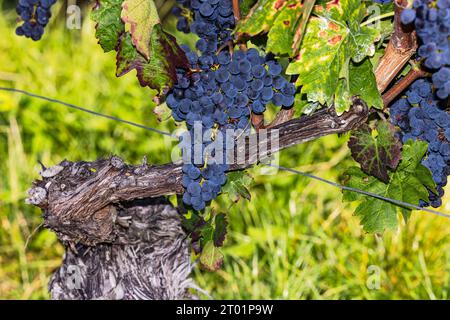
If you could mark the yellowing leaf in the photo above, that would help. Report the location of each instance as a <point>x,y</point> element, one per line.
<point>281,34</point>
<point>334,53</point>
<point>140,16</point>
<point>211,258</point>
<point>159,71</point>
<point>261,17</point>
<point>159,55</point>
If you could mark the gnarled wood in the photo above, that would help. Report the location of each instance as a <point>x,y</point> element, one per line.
<point>79,198</point>
<point>145,257</point>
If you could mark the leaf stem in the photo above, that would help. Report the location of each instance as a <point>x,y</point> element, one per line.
<point>380,17</point>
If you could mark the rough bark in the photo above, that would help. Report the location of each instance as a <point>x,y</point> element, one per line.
<point>146,257</point>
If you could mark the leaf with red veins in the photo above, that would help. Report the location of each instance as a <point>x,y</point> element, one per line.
<point>376,150</point>
<point>220,230</point>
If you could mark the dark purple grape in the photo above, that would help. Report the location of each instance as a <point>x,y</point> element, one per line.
<point>421,115</point>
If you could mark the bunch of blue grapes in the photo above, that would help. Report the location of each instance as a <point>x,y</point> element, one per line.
<point>220,92</point>
<point>422,116</point>
<point>431,19</point>
<point>212,20</point>
<point>35,15</point>
<point>203,177</point>
<point>227,88</point>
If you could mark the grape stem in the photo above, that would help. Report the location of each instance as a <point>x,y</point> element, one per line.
<point>401,47</point>
<point>377,18</point>
<point>236,11</point>
<point>404,83</point>
<point>229,44</point>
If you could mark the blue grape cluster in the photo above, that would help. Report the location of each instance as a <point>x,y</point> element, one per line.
<point>219,92</point>
<point>227,88</point>
<point>221,95</point>
<point>213,21</point>
<point>422,116</point>
<point>202,184</point>
<point>431,19</point>
<point>35,15</point>
<point>181,12</point>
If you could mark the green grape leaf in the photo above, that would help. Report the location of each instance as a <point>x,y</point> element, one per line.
<point>194,223</point>
<point>376,150</point>
<point>408,183</point>
<point>261,17</point>
<point>220,230</point>
<point>211,257</point>
<point>362,83</point>
<point>282,32</point>
<point>237,186</point>
<point>140,16</point>
<point>343,97</point>
<point>334,47</point>
<point>109,26</point>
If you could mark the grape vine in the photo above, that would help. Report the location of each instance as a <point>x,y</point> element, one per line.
<point>321,59</point>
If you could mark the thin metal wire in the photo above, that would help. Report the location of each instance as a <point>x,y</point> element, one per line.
<point>88,111</point>
<point>370,194</point>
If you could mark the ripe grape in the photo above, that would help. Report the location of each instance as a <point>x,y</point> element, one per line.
<point>35,15</point>
<point>431,19</point>
<point>421,115</point>
<point>382,1</point>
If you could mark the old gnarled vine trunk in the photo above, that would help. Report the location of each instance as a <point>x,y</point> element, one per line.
<point>123,238</point>
<point>146,256</point>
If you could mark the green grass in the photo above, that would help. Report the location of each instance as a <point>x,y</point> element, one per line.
<point>294,240</point>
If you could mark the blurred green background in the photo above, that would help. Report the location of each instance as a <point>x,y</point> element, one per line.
<point>294,240</point>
